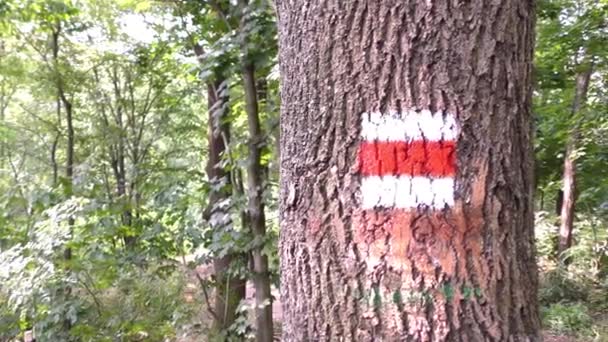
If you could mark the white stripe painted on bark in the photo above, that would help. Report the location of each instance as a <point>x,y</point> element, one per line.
<point>406,192</point>
<point>408,126</point>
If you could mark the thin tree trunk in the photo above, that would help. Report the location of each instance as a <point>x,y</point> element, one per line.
<point>256,176</point>
<point>62,100</point>
<point>3,141</point>
<point>257,218</point>
<point>559,202</point>
<point>569,176</point>
<point>69,166</point>
<point>55,145</point>
<point>119,162</point>
<point>229,290</point>
<point>121,182</point>
<point>5,98</point>
<point>407,171</point>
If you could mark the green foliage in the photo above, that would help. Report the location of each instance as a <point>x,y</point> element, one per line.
<point>586,261</point>
<point>142,305</point>
<point>9,321</point>
<point>116,297</point>
<point>557,286</point>
<point>571,36</point>
<point>571,318</point>
<point>139,118</point>
<point>573,286</point>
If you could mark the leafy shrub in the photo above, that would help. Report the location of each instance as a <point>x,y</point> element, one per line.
<point>556,286</point>
<point>568,318</point>
<point>546,232</point>
<point>141,306</point>
<point>582,269</point>
<point>9,322</point>
<point>587,259</point>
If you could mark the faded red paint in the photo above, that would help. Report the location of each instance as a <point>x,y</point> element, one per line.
<point>400,234</point>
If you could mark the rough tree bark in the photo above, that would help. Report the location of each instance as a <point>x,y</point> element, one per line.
<point>351,271</point>
<point>568,198</point>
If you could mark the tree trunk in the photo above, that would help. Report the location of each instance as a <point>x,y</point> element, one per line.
<point>559,202</point>
<point>255,209</point>
<point>569,176</point>
<point>407,171</point>
<point>256,179</point>
<point>5,97</point>
<point>63,101</point>
<point>118,161</point>
<point>229,290</point>
<point>3,140</point>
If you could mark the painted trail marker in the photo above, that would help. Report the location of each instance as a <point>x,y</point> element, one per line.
<point>407,160</point>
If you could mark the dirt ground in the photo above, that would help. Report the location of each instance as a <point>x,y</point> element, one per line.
<point>549,337</point>
<point>205,271</point>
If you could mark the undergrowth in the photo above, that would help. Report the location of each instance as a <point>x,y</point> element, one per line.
<point>574,285</point>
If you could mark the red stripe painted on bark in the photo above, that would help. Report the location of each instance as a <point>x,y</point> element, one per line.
<point>416,158</point>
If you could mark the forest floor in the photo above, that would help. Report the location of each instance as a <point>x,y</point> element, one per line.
<point>205,271</point>
<point>550,337</point>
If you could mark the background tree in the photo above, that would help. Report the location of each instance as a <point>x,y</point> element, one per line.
<point>570,50</point>
<point>226,184</point>
<point>241,30</point>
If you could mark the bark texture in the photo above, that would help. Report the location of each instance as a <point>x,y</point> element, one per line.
<point>256,180</point>
<point>463,273</point>
<point>255,209</point>
<point>569,176</point>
